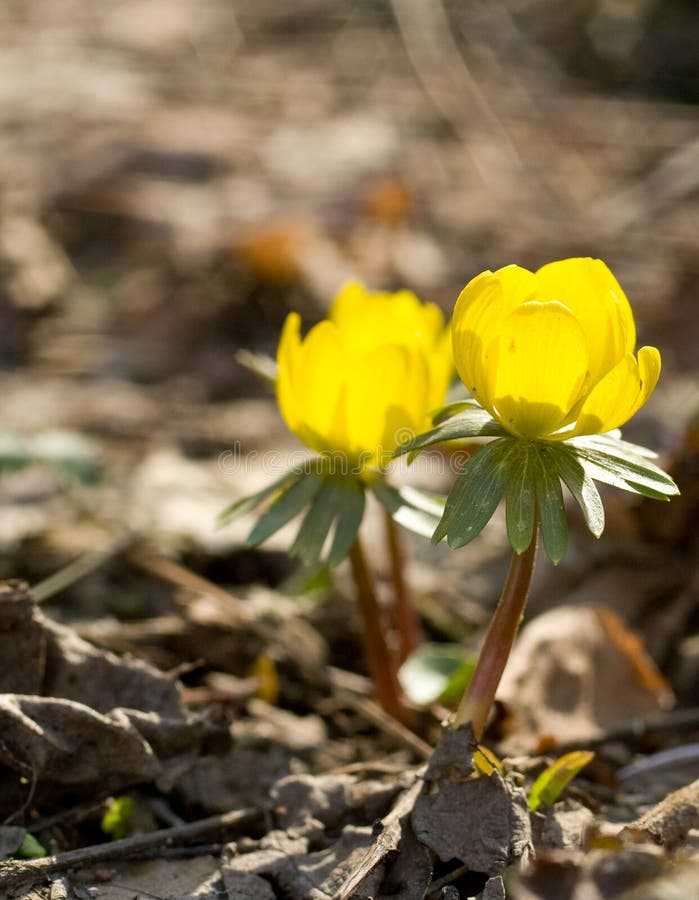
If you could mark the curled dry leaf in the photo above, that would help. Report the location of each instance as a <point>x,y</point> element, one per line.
<point>85,721</point>
<point>557,679</point>
<point>481,820</point>
<point>301,800</point>
<point>46,659</point>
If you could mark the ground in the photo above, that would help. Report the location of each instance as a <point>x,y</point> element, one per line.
<point>176,177</point>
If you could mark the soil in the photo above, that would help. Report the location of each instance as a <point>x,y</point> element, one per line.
<point>177,175</point>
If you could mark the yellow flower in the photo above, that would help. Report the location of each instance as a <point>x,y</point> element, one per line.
<point>366,375</point>
<point>550,353</point>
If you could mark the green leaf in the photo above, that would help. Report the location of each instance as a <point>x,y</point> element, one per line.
<point>14,454</point>
<point>475,495</point>
<point>412,509</point>
<point>315,580</point>
<point>437,672</point>
<point>520,495</point>
<point>549,786</point>
<point>611,441</point>
<point>549,501</point>
<point>260,364</point>
<point>645,491</point>
<point>118,816</point>
<point>348,522</point>
<point>30,848</point>
<point>327,505</point>
<point>67,453</point>
<point>580,485</point>
<point>288,505</point>
<point>245,504</point>
<point>418,499</point>
<point>473,422</point>
<point>453,409</point>
<point>623,469</point>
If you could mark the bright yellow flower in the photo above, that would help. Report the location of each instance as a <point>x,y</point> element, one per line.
<point>363,377</point>
<point>550,353</point>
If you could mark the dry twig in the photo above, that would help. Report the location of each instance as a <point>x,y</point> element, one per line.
<point>671,820</point>
<point>18,875</point>
<point>387,839</point>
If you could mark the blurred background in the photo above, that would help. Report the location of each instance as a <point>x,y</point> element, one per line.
<point>178,174</point>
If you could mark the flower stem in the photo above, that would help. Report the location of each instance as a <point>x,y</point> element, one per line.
<point>379,658</point>
<point>480,694</point>
<point>404,613</point>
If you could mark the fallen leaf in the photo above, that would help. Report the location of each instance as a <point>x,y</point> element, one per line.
<point>94,723</point>
<point>480,820</point>
<point>11,838</point>
<point>671,820</point>
<point>557,680</point>
<point>191,879</point>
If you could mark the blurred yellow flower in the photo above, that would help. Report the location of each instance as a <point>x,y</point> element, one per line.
<point>550,353</point>
<point>365,377</point>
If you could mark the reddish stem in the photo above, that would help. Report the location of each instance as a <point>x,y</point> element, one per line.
<point>480,694</point>
<point>405,615</point>
<point>379,659</point>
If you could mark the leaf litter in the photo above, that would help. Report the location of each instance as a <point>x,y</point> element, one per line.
<point>87,723</point>
<point>318,796</point>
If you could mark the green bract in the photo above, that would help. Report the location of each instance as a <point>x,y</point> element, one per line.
<point>333,503</point>
<point>359,380</point>
<point>529,475</point>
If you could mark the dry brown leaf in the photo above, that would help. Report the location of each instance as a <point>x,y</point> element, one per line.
<point>188,879</point>
<point>11,837</point>
<point>480,820</point>
<point>302,875</point>
<point>557,681</point>
<point>93,723</point>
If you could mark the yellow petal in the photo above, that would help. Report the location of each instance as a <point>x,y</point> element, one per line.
<point>375,368</point>
<point>537,363</point>
<point>386,400</point>
<point>620,394</point>
<point>440,362</point>
<point>409,322</point>
<point>588,288</point>
<point>481,306</point>
<point>319,388</point>
<point>288,358</point>
<point>432,325</point>
<point>649,366</point>
<point>367,320</point>
<point>350,302</point>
